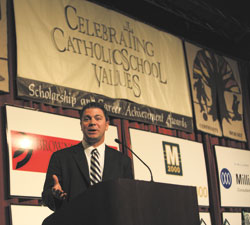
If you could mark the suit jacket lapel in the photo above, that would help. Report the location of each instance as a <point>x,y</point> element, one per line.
<point>107,170</point>
<point>81,161</point>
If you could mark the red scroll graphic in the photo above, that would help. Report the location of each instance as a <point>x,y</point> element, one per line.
<point>32,152</point>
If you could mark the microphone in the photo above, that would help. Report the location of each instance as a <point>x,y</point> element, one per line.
<point>119,142</point>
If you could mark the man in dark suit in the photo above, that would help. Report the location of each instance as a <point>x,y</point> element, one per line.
<point>68,173</point>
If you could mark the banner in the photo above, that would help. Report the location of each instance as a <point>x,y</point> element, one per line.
<point>215,82</point>
<point>28,215</point>
<point>32,138</point>
<point>84,48</point>
<point>234,176</point>
<point>172,160</point>
<point>205,218</point>
<point>4,73</point>
<point>231,218</point>
<point>245,218</point>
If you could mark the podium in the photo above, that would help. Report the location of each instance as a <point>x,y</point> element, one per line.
<point>131,202</point>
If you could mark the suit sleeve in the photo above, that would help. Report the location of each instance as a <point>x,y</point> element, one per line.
<point>47,196</point>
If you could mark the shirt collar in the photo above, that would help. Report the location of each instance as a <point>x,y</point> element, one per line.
<point>88,148</point>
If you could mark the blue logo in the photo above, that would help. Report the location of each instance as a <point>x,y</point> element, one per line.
<point>225,178</point>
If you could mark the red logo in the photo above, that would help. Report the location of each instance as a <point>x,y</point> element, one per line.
<point>32,152</point>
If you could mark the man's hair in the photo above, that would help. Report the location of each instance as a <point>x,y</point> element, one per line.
<point>94,105</point>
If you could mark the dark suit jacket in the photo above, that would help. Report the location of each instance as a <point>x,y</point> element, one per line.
<point>71,167</point>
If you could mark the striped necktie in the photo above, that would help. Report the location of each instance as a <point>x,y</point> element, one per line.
<point>95,171</point>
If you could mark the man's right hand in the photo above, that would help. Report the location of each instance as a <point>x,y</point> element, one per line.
<point>57,189</point>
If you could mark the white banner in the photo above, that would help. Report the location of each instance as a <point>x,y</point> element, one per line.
<point>205,218</point>
<point>3,28</point>
<point>32,138</point>
<point>234,176</point>
<point>28,215</point>
<point>80,45</point>
<point>230,218</point>
<point>4,73</point>
<point>172,160</point>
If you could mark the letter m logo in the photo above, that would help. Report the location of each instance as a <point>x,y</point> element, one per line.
<point>172,158</point>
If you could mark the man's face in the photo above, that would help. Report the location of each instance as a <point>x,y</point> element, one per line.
<point>94,125</point>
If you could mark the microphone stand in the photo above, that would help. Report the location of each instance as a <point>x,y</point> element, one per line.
<point>119,142</point>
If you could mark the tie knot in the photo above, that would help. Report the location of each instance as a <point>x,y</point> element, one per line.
<point>95,152</point>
